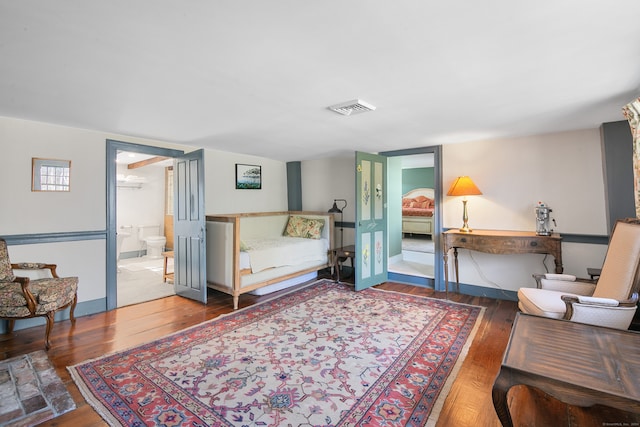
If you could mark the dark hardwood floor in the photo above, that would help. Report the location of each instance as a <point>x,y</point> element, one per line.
<point>468,403</point>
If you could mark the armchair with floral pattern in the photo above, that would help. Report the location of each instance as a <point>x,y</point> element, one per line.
<point>22,298</point>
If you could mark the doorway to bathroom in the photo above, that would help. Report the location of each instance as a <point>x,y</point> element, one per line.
<point>139,189</point>
<point>144,219</point>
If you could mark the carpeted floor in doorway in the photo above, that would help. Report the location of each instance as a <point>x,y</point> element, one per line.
<point>417,243</point>
<point>30,391</point>
<point>321,355</point>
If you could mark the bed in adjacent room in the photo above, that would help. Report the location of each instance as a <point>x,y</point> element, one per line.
<point>417,211</point>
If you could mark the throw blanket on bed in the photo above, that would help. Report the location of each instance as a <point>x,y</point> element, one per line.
<point>278,251</point>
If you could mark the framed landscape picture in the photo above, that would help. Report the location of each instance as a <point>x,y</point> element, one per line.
<point>248,177</point>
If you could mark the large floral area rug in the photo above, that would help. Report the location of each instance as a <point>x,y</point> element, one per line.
<point>324,355</point>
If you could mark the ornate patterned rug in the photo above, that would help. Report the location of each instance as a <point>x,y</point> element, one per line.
<point>323,355</point>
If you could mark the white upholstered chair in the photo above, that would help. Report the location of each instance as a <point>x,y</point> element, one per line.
<point>610,301</point>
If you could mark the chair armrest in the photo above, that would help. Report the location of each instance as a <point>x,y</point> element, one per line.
<point>550,276</point>
<point>555,276</point>
<point>36,266</point>
<point>31,300</point>
<point>605,302</point>
<point>606,312</point>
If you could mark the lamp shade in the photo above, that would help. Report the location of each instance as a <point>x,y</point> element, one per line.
<point>334,208</point>
<point>463,186</point>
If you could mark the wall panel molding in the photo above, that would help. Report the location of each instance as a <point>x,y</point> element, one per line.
<point>65,236</point>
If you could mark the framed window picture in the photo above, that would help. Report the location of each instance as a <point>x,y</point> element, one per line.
<point>248,177</point>
<point>50,174</point>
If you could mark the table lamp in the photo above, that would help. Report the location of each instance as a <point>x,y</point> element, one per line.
<point>464,186</point>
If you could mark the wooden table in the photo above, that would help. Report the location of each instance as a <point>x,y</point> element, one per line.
<point>578,364</point>
<point>340,255</point>
<point>499,242</point>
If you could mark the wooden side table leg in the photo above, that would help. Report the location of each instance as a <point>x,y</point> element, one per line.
<point>499,392</point>
<point>455,265</point>
<point>164,271</point>
<point>557,257</point>
<point>445,257</point>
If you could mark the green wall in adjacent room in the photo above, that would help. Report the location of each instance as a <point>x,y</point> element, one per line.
<point>417,178</point>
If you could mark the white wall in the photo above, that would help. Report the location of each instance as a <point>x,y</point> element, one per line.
<point>324,180</point>
<point>221,196</point>
<point>81,209</point>
<point>563,170</point>
<point>84,207</point>
<point>24,211</point>
<point>85,259</point>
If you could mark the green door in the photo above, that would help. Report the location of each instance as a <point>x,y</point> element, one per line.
<point>371,220</point>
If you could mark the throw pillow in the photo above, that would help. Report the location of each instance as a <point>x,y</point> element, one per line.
<point>307,228</point>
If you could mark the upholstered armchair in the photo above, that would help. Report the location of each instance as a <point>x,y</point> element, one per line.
<point>610,301</point>
<point>22,298</point>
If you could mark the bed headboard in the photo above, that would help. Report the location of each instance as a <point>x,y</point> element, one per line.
<point>427,192</point>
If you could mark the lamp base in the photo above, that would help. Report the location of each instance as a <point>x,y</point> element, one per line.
<point>465,218</point>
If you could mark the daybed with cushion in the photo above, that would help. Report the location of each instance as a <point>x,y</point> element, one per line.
<point>266,251</point>
<point>417,211</point>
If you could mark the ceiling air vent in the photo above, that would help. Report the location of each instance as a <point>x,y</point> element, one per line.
<point>352,107</point>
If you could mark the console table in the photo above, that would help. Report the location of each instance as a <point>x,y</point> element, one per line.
<point>499,242</point>
<point>579,364</point>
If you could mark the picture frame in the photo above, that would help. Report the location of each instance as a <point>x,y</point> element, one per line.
<point>50,175</point>
<point>248,177</point>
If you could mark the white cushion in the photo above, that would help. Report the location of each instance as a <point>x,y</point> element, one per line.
<point>542,302</point>
<point>555,276</point>
<point>598,301</point>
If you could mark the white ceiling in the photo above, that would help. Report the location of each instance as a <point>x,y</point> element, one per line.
<point>256,77</point>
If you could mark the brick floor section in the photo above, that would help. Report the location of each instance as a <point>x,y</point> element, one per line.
<point>30,391</point>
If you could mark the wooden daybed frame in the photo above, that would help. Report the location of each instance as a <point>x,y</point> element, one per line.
<point>291,272</point>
